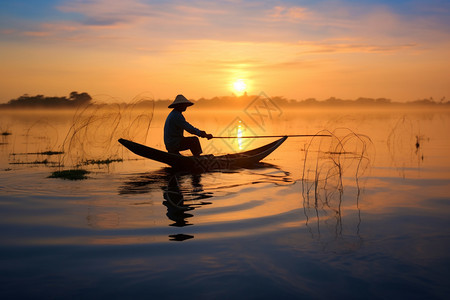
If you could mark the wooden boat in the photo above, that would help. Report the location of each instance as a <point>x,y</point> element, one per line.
<point>204,162</point>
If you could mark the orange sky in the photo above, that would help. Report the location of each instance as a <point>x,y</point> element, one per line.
<point>345,49</point>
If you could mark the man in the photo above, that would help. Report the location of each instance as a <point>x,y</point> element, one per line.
<point>175,126</point>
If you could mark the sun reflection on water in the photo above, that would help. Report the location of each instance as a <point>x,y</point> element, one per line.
<point>240,130</point>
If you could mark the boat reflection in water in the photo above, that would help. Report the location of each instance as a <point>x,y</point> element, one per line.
<point>182,192</point>
<point>178,197</point>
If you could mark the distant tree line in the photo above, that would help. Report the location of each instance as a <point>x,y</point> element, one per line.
<point>239,102</point>
<point>75,99</point>
<point>235,102</point>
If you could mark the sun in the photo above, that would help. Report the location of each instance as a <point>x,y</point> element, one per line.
<point>239,86</point>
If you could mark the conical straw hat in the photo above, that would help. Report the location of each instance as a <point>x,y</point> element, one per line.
<point>180,99</point>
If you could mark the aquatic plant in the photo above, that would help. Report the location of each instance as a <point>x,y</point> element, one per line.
<point>35,162</point>
<point>345,149</point>
<point>74,174</point>
<point>101,161</point>
<point>96,128</point>
<point>91,138</point>
<point>4,132</point>
<point>48,153</point>
<point>405,143</point>
<point>345,155</point>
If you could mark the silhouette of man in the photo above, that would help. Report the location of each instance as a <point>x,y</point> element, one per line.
<point>175,126</point>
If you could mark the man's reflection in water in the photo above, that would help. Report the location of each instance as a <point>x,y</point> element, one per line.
<point>182,192</point>
<point>179,200</point>
<point>174,201</point>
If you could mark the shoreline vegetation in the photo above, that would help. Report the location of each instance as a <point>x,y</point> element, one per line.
<point>76,100</point>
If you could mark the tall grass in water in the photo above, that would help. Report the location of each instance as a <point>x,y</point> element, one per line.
<point>329,163</point>
<point>92,138</point>
<point>406,144</point>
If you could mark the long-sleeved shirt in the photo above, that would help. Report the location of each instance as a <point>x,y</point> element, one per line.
<point>174,128</point>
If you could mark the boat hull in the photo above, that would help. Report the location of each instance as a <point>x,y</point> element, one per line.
<point>204,162</point>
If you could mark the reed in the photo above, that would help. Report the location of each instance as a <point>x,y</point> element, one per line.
<point>101,161</point>
<point>92,137</point>
<point>325,166</point>
<point>406,144</point>
<point>47,153</point>
<point>35,162</point>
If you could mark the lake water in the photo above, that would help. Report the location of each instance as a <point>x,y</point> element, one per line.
<point>362,214</point>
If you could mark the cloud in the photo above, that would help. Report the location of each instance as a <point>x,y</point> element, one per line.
<point>143,23</point>
<point>289,14</point>
<point>339,46</point>
<point>37,33</point>
<point>222,57</point>
<point>235,33</point>
<point>106,8</point>
<point>137,13</point>
<point>202,11</point>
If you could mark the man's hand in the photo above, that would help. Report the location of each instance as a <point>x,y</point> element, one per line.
<point>203,134</point>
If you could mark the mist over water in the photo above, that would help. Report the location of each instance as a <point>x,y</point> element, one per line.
<point>364,213</point>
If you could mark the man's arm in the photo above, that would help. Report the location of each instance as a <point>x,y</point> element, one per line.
<point>191,129</point>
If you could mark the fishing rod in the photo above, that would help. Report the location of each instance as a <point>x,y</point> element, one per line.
<point>269,136</point>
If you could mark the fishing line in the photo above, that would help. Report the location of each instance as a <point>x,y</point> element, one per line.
<point>270,136</point>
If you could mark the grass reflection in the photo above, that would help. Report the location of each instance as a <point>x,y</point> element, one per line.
<point>326,164</point>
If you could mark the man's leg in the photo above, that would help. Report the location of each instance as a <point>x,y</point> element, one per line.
<point>174,152</point>
<point>192,143</point>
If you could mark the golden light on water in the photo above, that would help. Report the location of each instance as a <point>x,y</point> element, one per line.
<point>239,135</point>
